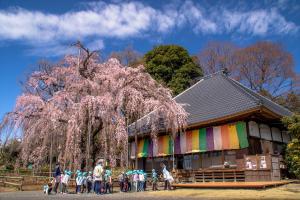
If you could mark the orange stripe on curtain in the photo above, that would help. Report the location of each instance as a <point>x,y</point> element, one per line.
<point>160,144</point>
<point>189,142</point>
<point>225,137</point>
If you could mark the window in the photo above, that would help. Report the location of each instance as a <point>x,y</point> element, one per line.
<point>206,160</point>
<point>216,158</point>
<point>277,148</point>
<point>187,162</point>
<point>254,146</point>
<point>230,156</point>
<point>241,152</point>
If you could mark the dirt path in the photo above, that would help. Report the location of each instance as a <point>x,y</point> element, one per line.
<point>290,191</point>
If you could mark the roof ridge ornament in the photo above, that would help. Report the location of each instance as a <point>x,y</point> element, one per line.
<point>225,71</point>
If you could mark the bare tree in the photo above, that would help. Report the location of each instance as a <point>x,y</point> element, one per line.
<point>266,67</point>
<point>128,57</point>
<point>216,56</point>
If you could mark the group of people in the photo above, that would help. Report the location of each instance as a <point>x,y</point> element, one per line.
<point>135,180</point>
<point>100,180</point>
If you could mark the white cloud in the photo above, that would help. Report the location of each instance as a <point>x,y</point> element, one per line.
<point>51,50</point>
<point>195,16</point>
<point>258,22</point>
<point>97,44</point>
<point>134,19</point>
<point>109,20</point>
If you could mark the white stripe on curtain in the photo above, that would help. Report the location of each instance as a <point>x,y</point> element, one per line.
<point>182,143</point>
<point>217,138</point>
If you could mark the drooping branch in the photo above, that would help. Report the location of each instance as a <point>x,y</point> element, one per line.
<point>90,99</point>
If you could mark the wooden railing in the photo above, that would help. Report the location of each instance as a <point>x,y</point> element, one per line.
<point>11,181</point>
<point>226,175</point>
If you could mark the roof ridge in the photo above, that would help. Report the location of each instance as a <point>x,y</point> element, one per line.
<point>202,79</point>
<point>221,72</point>
<point>243,88</point>
<point>249,91</point>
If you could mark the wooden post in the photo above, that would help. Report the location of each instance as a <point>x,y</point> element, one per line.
<point>128,155</point>
<point>223,157</point>
<point>152,162</point>
<point>173,154</point>
<point>88,146</point>
<point>136,150</point>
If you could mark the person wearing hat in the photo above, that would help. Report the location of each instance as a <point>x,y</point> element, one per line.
<point>98,171</point>
<point>141,180</point>
<point>145,181</point>
<point>121,181</point>
<point>48,187</point>
<point>89,181</point>
<point>108,181</point>
<point>57,174</point>
<point>129,175</point>
<point>79,181</point>
<point>65,181</point>
<point>154,180</point>
<point>167,177</point>
<point>136,180</point>
<point>126,183</point>
<point>84,182</point>
<point>76,175</point>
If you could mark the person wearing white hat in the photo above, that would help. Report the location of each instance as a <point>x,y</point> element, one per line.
<point>98,171</point>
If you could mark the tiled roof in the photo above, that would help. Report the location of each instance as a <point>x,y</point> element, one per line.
<point>217,96</point>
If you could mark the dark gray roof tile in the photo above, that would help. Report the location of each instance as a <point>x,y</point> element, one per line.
<point>216,96</point>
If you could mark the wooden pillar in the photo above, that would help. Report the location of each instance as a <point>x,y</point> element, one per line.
<point>152,163</point>
<point>127,146</point>
<point>223,157</point>
<point>51,147</point>
<point>88,144</point>
<point>136,150</point>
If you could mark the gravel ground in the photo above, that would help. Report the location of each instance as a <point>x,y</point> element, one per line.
<point>33,195</point>
<point>290,191</point>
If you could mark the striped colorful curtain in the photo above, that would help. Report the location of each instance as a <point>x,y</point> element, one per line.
<point>226,137</point>
<point>165,145</point>
<point>242,134</point>
<point>217,138</point>
<point>182,142</point>
<point>195,141</point>
<point>202,139</point>
<point>189,141</point>
<point>143,147</point>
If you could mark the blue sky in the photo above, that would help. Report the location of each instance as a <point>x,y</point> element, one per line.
<point>34,30</point>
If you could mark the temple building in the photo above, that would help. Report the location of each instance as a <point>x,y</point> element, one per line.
<point>233,134</point>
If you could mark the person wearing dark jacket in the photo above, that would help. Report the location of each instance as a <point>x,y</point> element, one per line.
<point>57,174</point>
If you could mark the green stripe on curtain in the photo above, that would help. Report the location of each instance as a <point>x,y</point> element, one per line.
<point>145,147</point>
<point>170,145</point>
<point>202,138</point>
<point>242,134</point>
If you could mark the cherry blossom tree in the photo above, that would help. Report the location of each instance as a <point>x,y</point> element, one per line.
<point>78,110</point>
